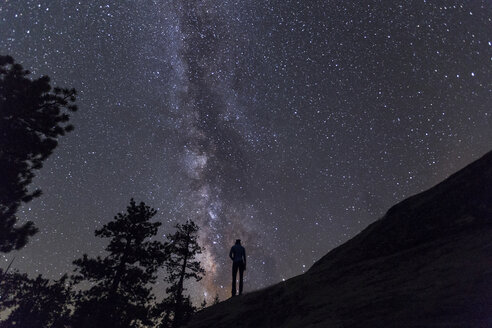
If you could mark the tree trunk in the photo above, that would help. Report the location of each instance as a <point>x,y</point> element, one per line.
<point>116,283</point>
<point>178,312</point>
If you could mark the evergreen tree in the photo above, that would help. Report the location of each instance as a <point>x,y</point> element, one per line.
<point>216,299</point>
<point>120,295</point>
<point>32,117</point>
<point>35,302</point>
<point>181,265</point>
<point>203,305</point>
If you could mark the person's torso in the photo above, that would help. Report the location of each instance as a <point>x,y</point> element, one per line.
<point>238,253</point>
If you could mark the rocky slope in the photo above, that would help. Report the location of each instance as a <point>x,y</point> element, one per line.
<point>426,263</point>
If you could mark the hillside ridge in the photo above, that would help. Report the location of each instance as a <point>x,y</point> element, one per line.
<point>425,263</point>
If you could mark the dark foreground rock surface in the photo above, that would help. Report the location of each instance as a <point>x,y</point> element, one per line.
<point>426,263</point>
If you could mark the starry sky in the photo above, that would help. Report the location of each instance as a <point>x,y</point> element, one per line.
<point>291,125</point>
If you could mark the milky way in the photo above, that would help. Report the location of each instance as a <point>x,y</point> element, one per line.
<point>291,125</point>
<point>213,147</point>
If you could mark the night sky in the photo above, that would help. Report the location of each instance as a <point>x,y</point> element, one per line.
<point>291,125</point>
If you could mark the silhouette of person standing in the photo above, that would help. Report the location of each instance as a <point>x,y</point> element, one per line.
<point>238,257</point>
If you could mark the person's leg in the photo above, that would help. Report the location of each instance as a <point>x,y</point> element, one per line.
<point>234,275</point>
<point>241,270</point>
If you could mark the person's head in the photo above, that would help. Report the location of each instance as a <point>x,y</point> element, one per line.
<point>238,241</point>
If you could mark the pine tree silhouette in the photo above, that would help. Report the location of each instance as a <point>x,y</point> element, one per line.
<point>216,299</point>
<point>181,265</point>
<point>120,295</point>
<point>36,302</point>
<point>32,117</point>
